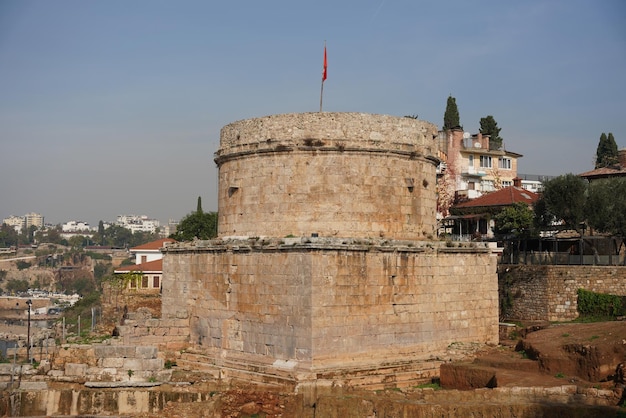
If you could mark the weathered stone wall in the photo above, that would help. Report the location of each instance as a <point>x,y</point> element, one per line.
<point>550,292</point>
<point>316,304</point>
<point>331,174</point>
<point>567,400</point>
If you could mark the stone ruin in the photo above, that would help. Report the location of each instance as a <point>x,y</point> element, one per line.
<point>326,266</point>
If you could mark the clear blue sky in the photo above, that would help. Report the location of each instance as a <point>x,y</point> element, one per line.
<point>115,107</point>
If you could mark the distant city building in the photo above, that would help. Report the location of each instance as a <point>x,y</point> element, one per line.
<point>26,221</point>
<point>33,219</point>
<point>533,182</point>
<point>17,222</point>
<point>137,223</point>
<point>76,226</point>
<point>172,226</point>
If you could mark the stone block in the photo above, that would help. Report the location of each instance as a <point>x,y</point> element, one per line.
<point>75,369</point>
<point>112,362</point>
<point>146,352</point>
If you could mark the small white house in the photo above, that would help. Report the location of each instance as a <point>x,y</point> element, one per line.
<point>148,264</point>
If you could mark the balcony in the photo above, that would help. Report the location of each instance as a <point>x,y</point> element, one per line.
<point>472,172</point>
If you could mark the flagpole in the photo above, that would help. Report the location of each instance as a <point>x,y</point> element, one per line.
<point>321,95</point>
<point>323,76</point>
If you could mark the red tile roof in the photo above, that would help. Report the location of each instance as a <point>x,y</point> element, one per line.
<point>155,266</point>
<point>604,172</point>
<point>503,197</point>
<point>154,245</point>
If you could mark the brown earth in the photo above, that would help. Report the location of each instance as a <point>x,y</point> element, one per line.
<point>546,355</point>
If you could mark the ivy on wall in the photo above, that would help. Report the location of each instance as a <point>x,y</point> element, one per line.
<point>591,304</point>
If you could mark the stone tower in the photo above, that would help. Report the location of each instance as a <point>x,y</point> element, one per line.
<point>332,174</point>
<point>325,267</point>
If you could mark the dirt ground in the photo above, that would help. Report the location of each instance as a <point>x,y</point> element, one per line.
<point>543,355</point>
<point>578,352</point>
<point>538,355</point>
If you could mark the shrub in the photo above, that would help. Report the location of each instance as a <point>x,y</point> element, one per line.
<point>600,304</point>
<point>21,265</point>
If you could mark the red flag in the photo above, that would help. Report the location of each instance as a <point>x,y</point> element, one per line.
<point>325,71</point>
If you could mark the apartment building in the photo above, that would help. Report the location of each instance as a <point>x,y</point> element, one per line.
<point>475,168</point>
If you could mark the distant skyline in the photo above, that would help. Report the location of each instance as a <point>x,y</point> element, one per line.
<point>115,107</point>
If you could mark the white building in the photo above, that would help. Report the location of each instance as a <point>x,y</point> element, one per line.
<point>76,226</point>
<point>138,223</point>
<point>148,265</point>
<point>33,219</point>
<point>533,182</point>
<point>17,222</point>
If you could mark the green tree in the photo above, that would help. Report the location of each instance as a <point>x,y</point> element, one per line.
<point>100,234</point>
<point>50,235</point>
<point>117,236</point>
<point>606,153</point>
<point>197,224</point>
<point>451,116</point>
<point>8,236</point>
<point>605,207</point>
<point>28,235</point>
<point>563,200</point>
<point>514,220</point>
<point>489,126</point>
<point>76,241</point>
<point>17,286</point>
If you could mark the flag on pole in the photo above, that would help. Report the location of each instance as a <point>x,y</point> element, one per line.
<point>325,71</point>
<point>324,75</point>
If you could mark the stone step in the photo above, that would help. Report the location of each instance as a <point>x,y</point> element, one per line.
<point>509,362</point>
<point>397,374</point>
<point>236,369</point>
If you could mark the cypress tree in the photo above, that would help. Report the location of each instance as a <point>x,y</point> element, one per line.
<point>606,153</point>
<point>199,208</point>
<point>489,126</point>
<point>451,117</point>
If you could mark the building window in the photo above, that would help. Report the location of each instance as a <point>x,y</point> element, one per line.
<point>506,183</point>
<point>470,161</point>
<point>155,282</point>
<point>488,186</point>
<point>133,283</point>
<point>144,281</point>
<point>485,161</point>
<point>504,163</point>
<point>144,258</point>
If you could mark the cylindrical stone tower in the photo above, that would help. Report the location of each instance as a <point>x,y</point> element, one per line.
<point>350,175</point>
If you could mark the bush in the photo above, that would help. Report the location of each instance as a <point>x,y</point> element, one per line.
<point>21,265</point>
<point>600,304</point>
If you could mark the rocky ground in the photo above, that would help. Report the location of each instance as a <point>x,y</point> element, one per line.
<point>538,355</point>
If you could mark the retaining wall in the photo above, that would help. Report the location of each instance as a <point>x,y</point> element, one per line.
<point>549,293</point>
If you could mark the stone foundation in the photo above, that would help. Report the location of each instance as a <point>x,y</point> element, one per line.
<point>313,307</point>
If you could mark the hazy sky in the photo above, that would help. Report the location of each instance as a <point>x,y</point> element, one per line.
<point>115,107</point>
